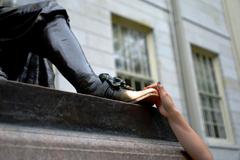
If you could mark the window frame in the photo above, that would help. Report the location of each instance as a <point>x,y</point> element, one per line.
<point>152,58</point>
<point>223,105</point>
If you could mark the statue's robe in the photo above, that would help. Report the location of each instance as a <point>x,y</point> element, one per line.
<point>15,24</point>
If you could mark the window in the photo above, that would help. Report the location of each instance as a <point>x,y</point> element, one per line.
<point>210,94</point>
<point>132,52</point>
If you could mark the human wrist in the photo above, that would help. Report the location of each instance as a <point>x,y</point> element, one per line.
<point>173,114</point>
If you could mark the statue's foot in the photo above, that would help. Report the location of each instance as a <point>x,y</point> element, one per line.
<point>115,88</point>
<point>144,96</point>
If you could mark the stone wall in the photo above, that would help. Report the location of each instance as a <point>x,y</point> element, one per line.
<point>205,26</point>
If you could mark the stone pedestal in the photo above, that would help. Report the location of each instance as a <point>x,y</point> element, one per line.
<point>41,123</point>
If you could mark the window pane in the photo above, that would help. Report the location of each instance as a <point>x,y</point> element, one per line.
<point>131,50</point>
<point>138,86</point>
<point>136,83</point>
<point>216,131</point>
<point>222,132</point>
<point>128,82</point>
<point>218,117</point>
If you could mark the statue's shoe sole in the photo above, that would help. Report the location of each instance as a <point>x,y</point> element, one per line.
<point>149,98</point>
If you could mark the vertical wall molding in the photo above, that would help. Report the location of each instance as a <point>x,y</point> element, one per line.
<point>184,56</point>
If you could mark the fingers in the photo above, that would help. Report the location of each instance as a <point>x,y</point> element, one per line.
<point>162,92</point>
<point>154,85</point>
<point>158,105</point>
<point>160,88</point>
<point>164,95</point>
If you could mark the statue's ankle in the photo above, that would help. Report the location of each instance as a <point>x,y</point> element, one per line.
<point>88,85</point>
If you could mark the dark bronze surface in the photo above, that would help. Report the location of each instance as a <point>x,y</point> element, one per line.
<point>20,59</point>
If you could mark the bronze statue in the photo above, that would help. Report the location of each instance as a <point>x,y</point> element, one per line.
<point>42,29</point>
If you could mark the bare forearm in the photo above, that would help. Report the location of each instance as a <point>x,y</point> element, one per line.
<point>188,138</point>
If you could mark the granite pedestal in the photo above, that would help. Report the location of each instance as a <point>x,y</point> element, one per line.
<point>41,123</point>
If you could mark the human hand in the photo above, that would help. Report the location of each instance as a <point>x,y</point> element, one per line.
<point>165,103</point>
<point>187,137</point>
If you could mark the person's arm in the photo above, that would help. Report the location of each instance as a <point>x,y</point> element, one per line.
<point>187,137</point>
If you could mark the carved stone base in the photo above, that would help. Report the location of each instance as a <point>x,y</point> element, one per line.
<point>41,123</point>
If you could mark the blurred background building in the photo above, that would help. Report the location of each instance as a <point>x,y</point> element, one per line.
<point>191,46</point>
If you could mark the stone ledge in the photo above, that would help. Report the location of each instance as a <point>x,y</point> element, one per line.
<point>18,142</point>
<point>30,105</point>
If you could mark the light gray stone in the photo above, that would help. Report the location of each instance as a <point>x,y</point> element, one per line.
<point>223,154</point>
<point>43,144</point>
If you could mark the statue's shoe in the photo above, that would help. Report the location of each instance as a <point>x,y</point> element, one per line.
<point>144,96</point>
<point>115,88</point>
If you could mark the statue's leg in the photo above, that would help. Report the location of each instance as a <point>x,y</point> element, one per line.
<point>61,47</point>
<point>63,50</point>
<point>13,56</point>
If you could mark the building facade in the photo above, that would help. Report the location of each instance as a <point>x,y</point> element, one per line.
<point>191,46</point>
<point>187,45</point>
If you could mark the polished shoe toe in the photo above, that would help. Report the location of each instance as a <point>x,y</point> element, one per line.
<point>148,95</point>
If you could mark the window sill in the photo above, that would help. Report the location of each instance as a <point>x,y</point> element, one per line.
<point>225,146</point>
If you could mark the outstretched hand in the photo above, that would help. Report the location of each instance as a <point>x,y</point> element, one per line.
<point>188,138</point>
<point>165,102</point>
